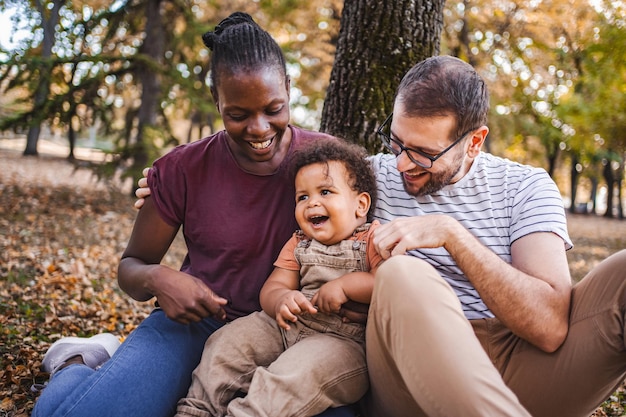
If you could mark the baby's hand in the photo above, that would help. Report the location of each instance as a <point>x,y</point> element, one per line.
<point>330,297</point>
<point>290,306</point>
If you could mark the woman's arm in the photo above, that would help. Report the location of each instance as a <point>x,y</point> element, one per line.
<point>183,297</point>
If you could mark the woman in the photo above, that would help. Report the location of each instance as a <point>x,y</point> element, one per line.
<point>232,194</point>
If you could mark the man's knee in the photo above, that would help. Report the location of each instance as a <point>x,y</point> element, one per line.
<point>612,268</point>
<point>400,268</point>
<point>402,275</point>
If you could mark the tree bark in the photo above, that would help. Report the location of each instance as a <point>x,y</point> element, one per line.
<point>379,41</point>
<point>153,48</point>
<point>49,20</point>
<point>573,183</point>
<point>607,172</point>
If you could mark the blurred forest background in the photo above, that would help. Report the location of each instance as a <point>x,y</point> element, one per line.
<point>129,77</point>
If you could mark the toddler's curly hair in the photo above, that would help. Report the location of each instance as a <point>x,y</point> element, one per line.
<point>352,156</point>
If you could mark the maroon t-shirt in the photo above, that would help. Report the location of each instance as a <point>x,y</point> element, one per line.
<point>234,222</point>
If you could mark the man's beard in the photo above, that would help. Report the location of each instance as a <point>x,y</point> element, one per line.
<point>437,180</point>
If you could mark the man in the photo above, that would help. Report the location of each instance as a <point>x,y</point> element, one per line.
<point>481,318</point>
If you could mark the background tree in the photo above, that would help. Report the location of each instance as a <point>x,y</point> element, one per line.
<point>539,67</point>
<point>556,84</point>
<point>47,14</point>
<point>146,63</point>
<point>378,42</point>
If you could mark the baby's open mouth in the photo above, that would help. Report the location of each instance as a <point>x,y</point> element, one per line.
<point>318,219</point>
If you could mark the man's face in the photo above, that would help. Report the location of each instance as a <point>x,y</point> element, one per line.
<point>431,136</point>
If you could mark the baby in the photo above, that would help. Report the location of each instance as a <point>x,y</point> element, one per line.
<point>299,356</point>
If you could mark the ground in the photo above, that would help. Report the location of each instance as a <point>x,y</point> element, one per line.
<point>61,236</point>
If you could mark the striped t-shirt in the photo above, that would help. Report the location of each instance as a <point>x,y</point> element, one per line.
<point>498,201</point>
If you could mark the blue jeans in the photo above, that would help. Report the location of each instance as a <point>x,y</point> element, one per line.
<point>146,376</point>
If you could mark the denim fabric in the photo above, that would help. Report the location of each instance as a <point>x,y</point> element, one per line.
<point>146,376</point>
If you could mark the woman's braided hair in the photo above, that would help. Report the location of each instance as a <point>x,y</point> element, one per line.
<point>238,43</point>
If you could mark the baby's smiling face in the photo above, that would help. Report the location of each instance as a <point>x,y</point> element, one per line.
<point>327,208</point>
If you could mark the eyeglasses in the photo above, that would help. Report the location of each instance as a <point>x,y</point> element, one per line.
<point>418,157</point>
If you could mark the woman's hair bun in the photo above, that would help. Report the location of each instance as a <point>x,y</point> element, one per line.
<point>208,39</point>
<point>236,18</point>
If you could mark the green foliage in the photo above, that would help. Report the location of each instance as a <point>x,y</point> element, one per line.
<point>557,84</point>
<point>96,70</point>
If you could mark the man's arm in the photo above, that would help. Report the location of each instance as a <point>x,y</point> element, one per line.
<point>531,296</point>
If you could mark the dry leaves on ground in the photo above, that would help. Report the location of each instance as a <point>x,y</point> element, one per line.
<point>61,236</point>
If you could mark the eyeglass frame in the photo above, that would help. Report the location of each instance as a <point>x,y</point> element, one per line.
<point>387,140</point>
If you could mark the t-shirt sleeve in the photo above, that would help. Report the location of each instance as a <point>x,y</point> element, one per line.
<point>538,207</point>
<point>168,188</point>
<point>286,257</point>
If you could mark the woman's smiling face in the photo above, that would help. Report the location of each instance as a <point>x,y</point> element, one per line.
<point>254,106</point>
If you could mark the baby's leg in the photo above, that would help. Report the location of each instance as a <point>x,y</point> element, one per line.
<point>318,372</point>
<point>230,358</point>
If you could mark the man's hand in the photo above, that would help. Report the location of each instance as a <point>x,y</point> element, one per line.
<point>406,233</point>
<point>143,191</point>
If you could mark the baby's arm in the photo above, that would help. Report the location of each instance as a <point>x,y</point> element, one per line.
<point>281,298</point>
<point>355,286</point>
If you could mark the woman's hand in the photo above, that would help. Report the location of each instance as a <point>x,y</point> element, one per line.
<point>182,297</point>
<point>185,298</point>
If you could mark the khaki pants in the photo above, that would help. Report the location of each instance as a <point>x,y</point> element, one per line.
<point>425,358</point>
<point>300,372</point>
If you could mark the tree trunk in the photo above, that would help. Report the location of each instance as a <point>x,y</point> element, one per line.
<point>49,20</point>
<point>573,183</point>
<point>379,41</point>
<point>620,208</point>
<point>607,172</point>
<point>619,179</point>
<point>552,159</point>
<point>593,195</point>
<point>71,137</point>
<point>153,49</point>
